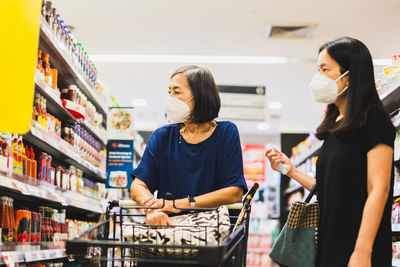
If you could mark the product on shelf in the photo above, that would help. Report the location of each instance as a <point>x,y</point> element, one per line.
<point>396,184</point>
<point>48,264</point>
<point>86,144</point>
<point>389,78</point>
<point>304,147</point>
<point>7,220</point>
<point>74,49</point>
<point>6,157</point>
<point>23,226</point>
<point>75,228</point>
<point>39,65</point>
<point>40,115</point>
<point>396,250</point>
<point>73,94</point>
<point>48,75</point>
<point>396,212</point>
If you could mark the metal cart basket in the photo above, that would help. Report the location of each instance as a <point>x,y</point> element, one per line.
<point>105,244</point>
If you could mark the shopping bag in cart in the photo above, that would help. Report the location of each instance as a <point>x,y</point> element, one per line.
<point>296,245</point>
<point>196,228</point>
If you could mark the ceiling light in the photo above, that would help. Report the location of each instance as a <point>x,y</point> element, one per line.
<point>382,61</point>
<point>263,126</point>
<point>139,102</point>
<point>190,59</point>
<point>275,105</point>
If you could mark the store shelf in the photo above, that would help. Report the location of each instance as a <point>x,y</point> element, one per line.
<point>259,250</point>
<point>53,100</point>
<point>392,95</point>
<point>293,189</point>
<point>100,136</point>
<point>56,146</point>
<point>33,255</point>
<point>310,153</point>
<point>396,262</point>
<point>55,106</point>
<point>395,227</point>
<point>42,190</point>
<point>66,62</point>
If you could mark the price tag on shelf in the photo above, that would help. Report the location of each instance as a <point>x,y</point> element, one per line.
<point>21,187</point>
<point>6,182</point>
<point>8,259</point>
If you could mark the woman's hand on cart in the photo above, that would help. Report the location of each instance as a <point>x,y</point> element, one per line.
<point>152,203</point>
<point>157,217</point>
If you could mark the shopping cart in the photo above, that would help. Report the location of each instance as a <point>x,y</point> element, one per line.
<point>105,243</point>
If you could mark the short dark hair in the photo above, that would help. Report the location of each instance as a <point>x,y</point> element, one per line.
<point>205,93</point>
<point>353,56</point>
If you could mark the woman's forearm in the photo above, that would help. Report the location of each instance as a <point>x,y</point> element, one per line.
<point>139,191</point>
<point>228,195</point>
<point>304,179</point>
<point>371,219</point>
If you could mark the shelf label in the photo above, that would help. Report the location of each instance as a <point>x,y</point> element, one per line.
<point>8,259</point>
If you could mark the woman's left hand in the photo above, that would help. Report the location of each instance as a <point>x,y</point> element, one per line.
<point>360,259</point>
<point>179,203</point>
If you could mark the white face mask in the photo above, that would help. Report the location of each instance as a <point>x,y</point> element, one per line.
<point>325,89</point>
<point>177,110</point>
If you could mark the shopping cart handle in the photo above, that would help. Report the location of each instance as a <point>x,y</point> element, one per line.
<point>132,204</point>
<point>128,203</point>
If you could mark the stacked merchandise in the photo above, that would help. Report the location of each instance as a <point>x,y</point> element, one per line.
<point>389,79</point>
<point>263,229</point>
<point>61,161</point>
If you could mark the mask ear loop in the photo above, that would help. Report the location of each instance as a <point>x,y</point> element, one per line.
<point>189,99</point>
<point>341,76</point>
<point>344,89</point>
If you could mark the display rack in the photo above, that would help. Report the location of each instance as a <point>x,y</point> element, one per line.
<point>310,153</point>
<point>44,191</point>
<point>21,256</point>
<point>65,63</point>
<point>30,193</point>
<point>396,262</point>
<point>55,106</point>
<point>293,189</point>
<point>61,149</point>
<point>395,227</point>
<point>391,96</point>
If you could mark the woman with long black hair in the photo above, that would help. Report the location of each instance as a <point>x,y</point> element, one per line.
<point>354,175</point>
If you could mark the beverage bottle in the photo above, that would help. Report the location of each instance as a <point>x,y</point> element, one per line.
<point>39,65</point>
<point>48,76</point>
<point>4,219</point>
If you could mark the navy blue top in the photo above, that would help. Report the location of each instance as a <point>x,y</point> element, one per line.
<point>170,164</point>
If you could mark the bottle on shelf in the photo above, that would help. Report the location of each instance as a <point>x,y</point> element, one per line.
<point>39,65</point>
<point>4,220</point>
<point>11,232</point>
<point>34,164</point>
<point>48,76</point>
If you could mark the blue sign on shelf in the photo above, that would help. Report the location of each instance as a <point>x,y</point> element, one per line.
<point>119,163</point>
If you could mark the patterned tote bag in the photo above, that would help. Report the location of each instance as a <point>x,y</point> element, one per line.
<point>296,245</point>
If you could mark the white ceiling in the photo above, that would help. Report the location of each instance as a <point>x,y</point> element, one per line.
<point>231,28</point>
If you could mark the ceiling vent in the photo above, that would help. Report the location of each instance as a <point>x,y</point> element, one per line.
<point>289,32</point>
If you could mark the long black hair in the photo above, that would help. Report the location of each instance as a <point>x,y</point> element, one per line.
<point>353,56</point>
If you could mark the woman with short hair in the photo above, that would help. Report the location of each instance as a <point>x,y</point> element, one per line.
<point>196,158</point>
